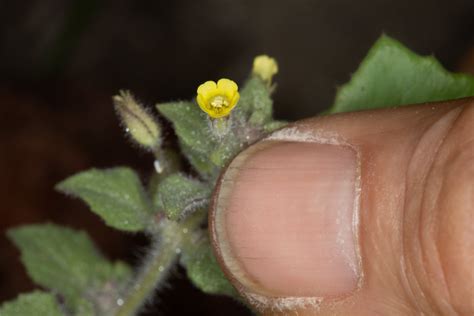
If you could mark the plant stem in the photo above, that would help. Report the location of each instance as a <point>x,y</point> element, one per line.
<point>154,271</point>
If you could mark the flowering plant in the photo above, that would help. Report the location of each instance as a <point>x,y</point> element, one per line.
<point>172,208</point>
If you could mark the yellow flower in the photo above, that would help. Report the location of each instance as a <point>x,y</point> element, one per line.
<point>265,67</point>
<point>217,100</point>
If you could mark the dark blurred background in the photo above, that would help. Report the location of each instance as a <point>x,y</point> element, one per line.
<point>60,62</point>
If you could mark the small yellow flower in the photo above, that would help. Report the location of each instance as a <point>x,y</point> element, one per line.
<point>265,67</point>
<point>217,100</point>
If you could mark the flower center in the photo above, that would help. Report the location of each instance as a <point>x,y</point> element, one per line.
<point>219,101</point>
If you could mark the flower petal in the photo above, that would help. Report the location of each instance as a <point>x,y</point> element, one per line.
<point>206,88</point>
<point>227,87</point>
<point>221,113</point>
<point>202,103</point>
<point>234,100</point>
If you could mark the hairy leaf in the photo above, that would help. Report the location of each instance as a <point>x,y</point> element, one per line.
<point>32,304</point>
<point>203,270</point>
<point>199,161</point>
<point>392,75</point>
<point>192,128</point>
<point>180,195</point>
<point>65,261</point>
<point>114,194</point>
<point>225,151</point>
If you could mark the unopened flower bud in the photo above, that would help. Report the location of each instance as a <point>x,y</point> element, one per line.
<point>265,67</point>
<point>138,122</point>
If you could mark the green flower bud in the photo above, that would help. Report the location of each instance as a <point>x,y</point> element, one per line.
<point>137,121</point>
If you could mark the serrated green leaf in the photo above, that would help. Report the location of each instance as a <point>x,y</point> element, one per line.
<point>192,128</point>
<point>179,195</point>
<point>392,75</point>
<point>255,100</point>
<point>114,194</point>
<point>203,270</point>
<point>32,304</point>
<point>65,261</point>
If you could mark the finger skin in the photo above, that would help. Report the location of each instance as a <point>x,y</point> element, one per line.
<point>416,209</point>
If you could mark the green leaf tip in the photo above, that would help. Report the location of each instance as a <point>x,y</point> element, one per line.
<point>392,75</point>
<point>32,304</point>
<point>65,261</point>
<point>115,194</point>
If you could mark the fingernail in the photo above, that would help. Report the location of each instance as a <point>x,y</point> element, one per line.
<point>284,219</point>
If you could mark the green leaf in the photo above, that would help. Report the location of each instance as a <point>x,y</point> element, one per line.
<point>192,128</point>
<point>179,196</point>
<point>65,261</point>
<point>199,161</point>
<point>392,75</point>
<point>255,100</point>
<point>114,194</point>
<point>203,270</point>
<point>32,304</point>
<point>190,123</point>
<point>225,151</point>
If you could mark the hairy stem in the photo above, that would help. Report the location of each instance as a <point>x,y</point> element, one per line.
<point>155,269</point>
